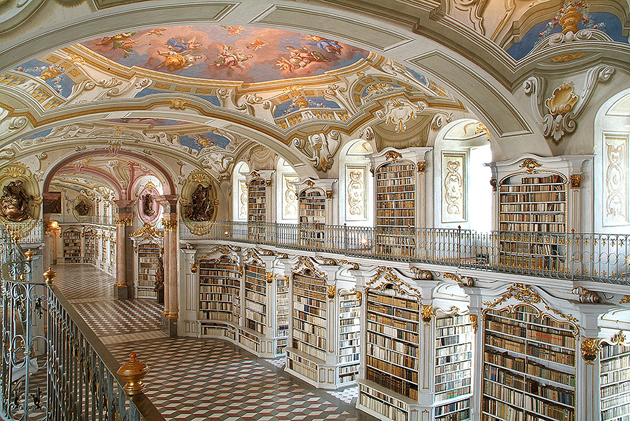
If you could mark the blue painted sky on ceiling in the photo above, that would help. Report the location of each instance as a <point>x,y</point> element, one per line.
<point>61,83</point>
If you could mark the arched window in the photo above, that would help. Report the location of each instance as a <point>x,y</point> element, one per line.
<point>239,192</point>
<point>461,150</point>
<point>355,185</point>
<point>612,155</point>
<point>287,197</point>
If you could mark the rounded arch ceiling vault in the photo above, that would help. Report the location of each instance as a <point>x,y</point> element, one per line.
<point>166,79</point>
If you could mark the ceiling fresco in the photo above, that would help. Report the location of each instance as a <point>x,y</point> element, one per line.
<point>604,22</point>
<point>237,53</point>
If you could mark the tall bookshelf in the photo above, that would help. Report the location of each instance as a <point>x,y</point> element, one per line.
<point>312,216</point>
<point>89,253</point>
<point>453,367</point>
<point>282,313</point>
<point>533,221</point>
<point>255,298</point>
<point>396,207</point>
<point>309,325</point>
<point>529,366</point>
<point>148,254</point>
<point>103,240</point>
<point>256,200</point>
<point>392,328</point>
<point>614,382</point>
<point>219,292</point>
<point>349,337</point>
<point>72,246</point>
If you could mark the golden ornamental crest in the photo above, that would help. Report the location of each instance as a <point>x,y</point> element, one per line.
<point>530,164</point>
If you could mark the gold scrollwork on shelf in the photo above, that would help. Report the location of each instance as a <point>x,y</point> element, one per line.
<point>618,338</point>
<point>329,194</point>
<point>123,221</point>
<point>520,292</point>
<point>193,267</point>
<point>391,278</point>
<point>427,313</point>
<point>359,296</point>
<point>147,229</point>
<point>422,167</point>
<point>576,181</point>
<point>493,183</point>
<point>393,156</point>
<point>625,299</point>
<point>474,321</point>
<point>355,266</point>
<point>169,225</point>
<point>307,262</point>
<point>590,348</point>
<point>269,277</point>
<point>332,290</point>
<point>530,164</point>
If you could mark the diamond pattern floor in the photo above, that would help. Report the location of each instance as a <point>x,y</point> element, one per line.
<point>197,379</point>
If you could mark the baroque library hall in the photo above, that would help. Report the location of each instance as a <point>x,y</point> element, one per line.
<point>422,203</point>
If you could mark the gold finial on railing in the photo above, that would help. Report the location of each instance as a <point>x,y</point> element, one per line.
<point>49,276</point>
<point>29,255</point>
<point>132,372</point>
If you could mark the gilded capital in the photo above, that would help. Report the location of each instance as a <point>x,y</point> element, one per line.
<point>169,225</point>
<point>590,349</point>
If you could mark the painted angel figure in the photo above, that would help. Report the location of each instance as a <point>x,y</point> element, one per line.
<point>175,61</point>
<point>325,44</point>
<point>231,58</point>
<point>256,45</point>
<point>179,46</point>
<point>233,30</point>
<point>122,41</point>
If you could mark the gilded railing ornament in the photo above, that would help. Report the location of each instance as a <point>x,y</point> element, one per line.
<point>49,276</point>
<point>590,349</point>
<point>132,372</point>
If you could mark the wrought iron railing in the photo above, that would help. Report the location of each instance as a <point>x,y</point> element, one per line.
<point>53,365</point>
<point>26,232</point>
<point>589,256</point>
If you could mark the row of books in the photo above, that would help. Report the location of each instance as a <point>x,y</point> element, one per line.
<point>386,410</point>
<point>394,345</point>
<point>255,306</point>
<point>397,385</point>
<point>309,327</point>
<point>533,226</point>
<point>533,218</point>
<point>543,197</point>
<point>406,324</point>
<point>534,207</point>
<point>309,349</point>
<point>385,309</point>
<point>409,195</point>
<point>411,304</point>
<point>395,171</point>
<point>388,356</point>
<point>255,296</point>
<point>315,320</point>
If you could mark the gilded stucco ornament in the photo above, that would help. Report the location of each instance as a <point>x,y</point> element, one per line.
<point>564,106</point>
<point>586,296</point>
<point>399,111</point>
<point>590,349</point>
<point>319,148</point>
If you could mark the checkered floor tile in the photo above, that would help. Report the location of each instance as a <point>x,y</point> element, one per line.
<point>348,395</point>
<point>197,379</point>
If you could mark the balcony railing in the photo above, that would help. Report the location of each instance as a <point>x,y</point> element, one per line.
<point>53,366</point>
<point>588,256</point>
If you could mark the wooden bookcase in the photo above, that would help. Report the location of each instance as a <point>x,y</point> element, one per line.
<point>349,337</point>
<point>392,353</point>
<point>219,291</point>
<point>309,324</point>
<point>453,367</point>
<point>72,246</point>
<point>396,208</point>
<point>533,221</point>
<point>148,254</point>
<point>255,298</point>
<point>614,375</point>
<point>529,366</point>
<point>89,253</point>
<point>282,313</point>
<point>103,240</point>
<point>256,200</point>
<point>312,217</point>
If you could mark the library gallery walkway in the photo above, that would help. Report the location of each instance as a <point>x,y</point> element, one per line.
<point>196,379</point>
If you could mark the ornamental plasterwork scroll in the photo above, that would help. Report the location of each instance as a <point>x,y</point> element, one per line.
<point>421,274</point>
<point>307,262</point>
<point>590,349</point>
<point>8,127</point>
<point>586,296</point>
<point>393,156</point>
<point>332,291</point>
<point>564,106</point>
<point>454,187</point>
<point>147,230</point>
<point>354,266</point>
<point>253,257</point>
<point>615,206</point>
<point>440,120</point>
<point>399,111</point>
<point>465,281</point>
<point>319,148</point>
<point>587,34</point>
<point>526,294</point>
<point>625,299</point>
<point>390,278</point>
<point>530,165</point>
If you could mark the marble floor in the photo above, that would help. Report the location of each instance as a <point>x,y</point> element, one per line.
<point>197,379</point>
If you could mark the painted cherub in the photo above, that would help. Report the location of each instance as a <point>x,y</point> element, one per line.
<point>122,41</point>
<point>181,45</point>
<point>233,30</point>
<point>256,44</point>
<point>231,57</point>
